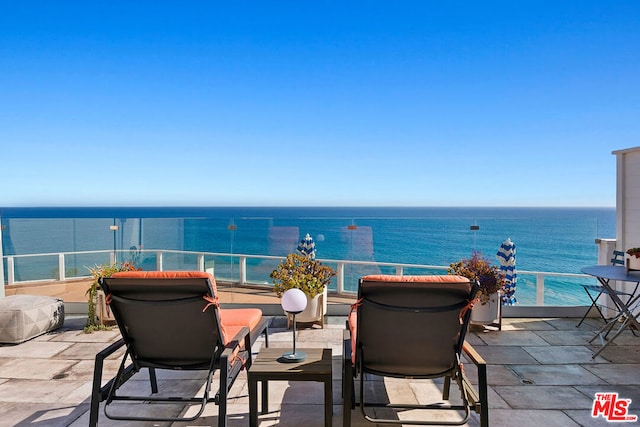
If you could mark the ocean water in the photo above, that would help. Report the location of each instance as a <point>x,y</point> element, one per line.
<point>547,239</point>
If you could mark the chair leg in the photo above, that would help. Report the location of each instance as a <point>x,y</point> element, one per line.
<point>593,304</point>
<point>347,378</point>
<point>483,395</point>
<point>154,380</point>
<point>95,393</point>
<point>222,402</point>
<point>266,336</point>
<point>446,387</point>
<point>347,392</point>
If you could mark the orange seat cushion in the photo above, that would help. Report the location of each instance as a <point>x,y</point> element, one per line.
<point>443,278</point>
<point>168,275</point>
<point>163,274</point>
<point>249,317</point>
<point>234,319</point>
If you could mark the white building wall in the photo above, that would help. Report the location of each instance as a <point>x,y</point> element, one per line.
<point>628,198</point>
<point>1,264</point>
<point>627,204</point>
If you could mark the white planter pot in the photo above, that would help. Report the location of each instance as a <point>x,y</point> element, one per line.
<point>315,311</point>
<point>631,262</point>
<point>486,313</point>
<point>103,311</point>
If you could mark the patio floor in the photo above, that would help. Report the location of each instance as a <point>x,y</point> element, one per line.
<point>540,372</point>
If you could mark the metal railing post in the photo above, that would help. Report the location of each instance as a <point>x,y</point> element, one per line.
<point>1,264</point>
<point>200,262</point>
<point>61,268</point>
<point>539,289</point>
<point>11,271</point>
<point>340,278</point>
<point>159,255</point>
<point>242,269</point>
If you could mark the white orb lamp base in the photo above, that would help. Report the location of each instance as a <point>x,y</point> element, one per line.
<point>294,301</point>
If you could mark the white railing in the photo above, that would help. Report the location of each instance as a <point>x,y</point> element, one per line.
<point>234,268</point>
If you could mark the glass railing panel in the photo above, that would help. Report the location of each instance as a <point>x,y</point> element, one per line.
<point>547,240</point>
<point>77,265</point>
<point>179,261</point>
<point>417,271</point>
<point>525,292</point>
<point>227,268</point>
<point>333,285</point>
<point>566,291</point>
<point>145,260</point>
<point>54,235</point>
<point>32,268</point>
<point>353,273</point>
<point>258,270</point>
<point>209,264</point>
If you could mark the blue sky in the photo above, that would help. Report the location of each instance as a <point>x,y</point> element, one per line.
<point>278,103</point>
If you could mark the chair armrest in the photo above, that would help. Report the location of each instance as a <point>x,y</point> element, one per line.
<point>478,398</point>
<point>98,367</point>
<point>110,349</point>
<point>234,344</point>
<point>240,336</point>
<point>233,347</point>
<point>473,355</point>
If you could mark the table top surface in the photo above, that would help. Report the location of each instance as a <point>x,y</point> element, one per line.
<point>318,361</point>
<point>612,272</point>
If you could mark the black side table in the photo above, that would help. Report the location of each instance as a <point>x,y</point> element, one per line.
<point>265,368</point>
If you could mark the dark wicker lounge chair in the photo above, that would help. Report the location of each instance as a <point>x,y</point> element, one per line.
<point>412,327</point>
<point>172,320</point>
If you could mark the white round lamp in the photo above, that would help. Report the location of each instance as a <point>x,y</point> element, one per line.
<point>294,301</point>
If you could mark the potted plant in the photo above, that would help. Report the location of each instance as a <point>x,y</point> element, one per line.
<point>308,275</point>
<point>491,280</point>
<point>99,314</point>
<point>632,259</point>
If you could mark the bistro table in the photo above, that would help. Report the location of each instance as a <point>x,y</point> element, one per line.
<point>605,274</point>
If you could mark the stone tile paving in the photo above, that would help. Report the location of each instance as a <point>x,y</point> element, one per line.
<point>540,374</point>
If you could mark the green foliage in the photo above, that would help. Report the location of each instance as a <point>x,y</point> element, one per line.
<point>98,271</point>
<point>298,271</point>
<point>89,329</point>
<point>490,277</point>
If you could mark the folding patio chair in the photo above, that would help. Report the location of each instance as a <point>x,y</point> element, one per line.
<point>172,321</point>
<point>594,292</point>
<point>413,327</point>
